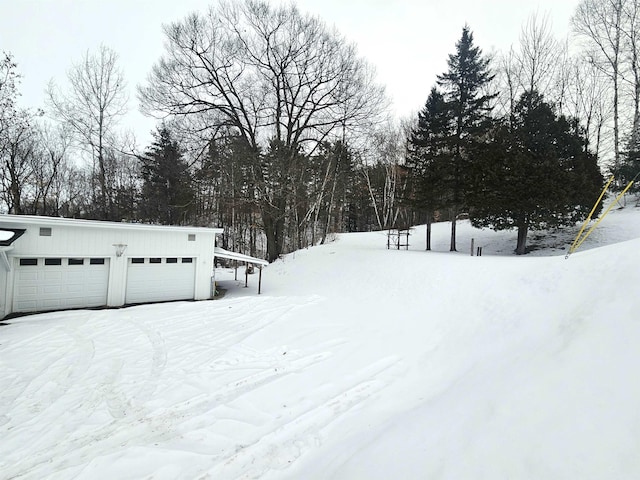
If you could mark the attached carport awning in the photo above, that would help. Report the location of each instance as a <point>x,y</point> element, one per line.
<point>222,253</point>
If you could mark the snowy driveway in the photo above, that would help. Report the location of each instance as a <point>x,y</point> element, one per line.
<point>172,390</point>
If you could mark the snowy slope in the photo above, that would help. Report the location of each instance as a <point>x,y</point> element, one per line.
<point>356,362</point>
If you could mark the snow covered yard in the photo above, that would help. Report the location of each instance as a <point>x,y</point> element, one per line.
<point>355,362</point>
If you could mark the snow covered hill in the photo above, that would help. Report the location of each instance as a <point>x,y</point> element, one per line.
<point>355,362</point>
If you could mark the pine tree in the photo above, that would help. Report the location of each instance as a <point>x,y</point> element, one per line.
<point>429,157</point>
<point>167,193</point>
<point>534,174</point>
<point>469,108</point>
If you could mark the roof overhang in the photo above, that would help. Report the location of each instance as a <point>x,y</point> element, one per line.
<point>8,222</point>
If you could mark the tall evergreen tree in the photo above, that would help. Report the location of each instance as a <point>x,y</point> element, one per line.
<point>167,193</point>
<point>535,174</point>
<point>464,88</point>
<point>429,157</point>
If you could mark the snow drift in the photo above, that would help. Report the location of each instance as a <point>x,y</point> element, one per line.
<point>356,362</point>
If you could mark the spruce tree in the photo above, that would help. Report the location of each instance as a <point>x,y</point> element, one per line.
<point>167,193</point>
<point>469,107</point>
<point>534,174</point>
<point>428,158</point>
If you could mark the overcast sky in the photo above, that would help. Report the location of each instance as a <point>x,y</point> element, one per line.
<point>406,40</point>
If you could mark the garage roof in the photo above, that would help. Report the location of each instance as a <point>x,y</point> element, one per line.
<point>22,220</point>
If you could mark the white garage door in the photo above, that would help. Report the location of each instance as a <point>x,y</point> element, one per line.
<point>160,279</point>
<point>42,284</point>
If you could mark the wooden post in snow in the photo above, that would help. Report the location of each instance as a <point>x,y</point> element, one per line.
<point>259,279</point>
<point>246,274</point>
<point>472,242</point>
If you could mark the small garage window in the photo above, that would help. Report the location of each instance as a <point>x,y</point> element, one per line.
<point>76,261</point>
<point>187,260</point>
<point>45,231</point>
<point>155,260</point>
<point>28,262</point>
<point>137,260</point>
<point>53,261</point>
<point>172,260</point>
<point>192,237</point>
<point>96,261</point>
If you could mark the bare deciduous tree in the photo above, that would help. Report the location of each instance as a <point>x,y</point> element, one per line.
<point>17,139</point>
<point>587,100</point>
<point>599,22</point>
<point>8,94</point>
<point>631,44</point>
<point>50,169</point>
<point>539,55</point>
<point>385,155</point>
<point>16,171</point>
<point>507,81</point>
<point>280,80</point>
<point>533,65</point>
<point>92,107</point>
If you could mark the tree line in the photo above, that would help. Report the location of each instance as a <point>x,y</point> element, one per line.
<point>274,128</point>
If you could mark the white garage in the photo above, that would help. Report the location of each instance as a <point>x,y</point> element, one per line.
<point>56,263</point>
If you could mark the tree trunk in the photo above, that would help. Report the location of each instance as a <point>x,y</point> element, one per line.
<point>252,237</point>
<point>615,64</point>
<point>273,220</point>
<point>429,231</point>
<point>616,126</point>
<point>521,247</point>
<point>373,198</point>
<point>273,250</point>
<point>454,214</point>
<point>15,188</point>
<point>329,209</point>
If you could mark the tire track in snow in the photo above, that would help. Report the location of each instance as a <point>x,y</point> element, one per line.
<point>243,385</point>
<point>120,404</point>
<point>42,390</point>
<point>278,449</point>
<point>129,429</point>
<point>131,422</point>
<point>230,328</point>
